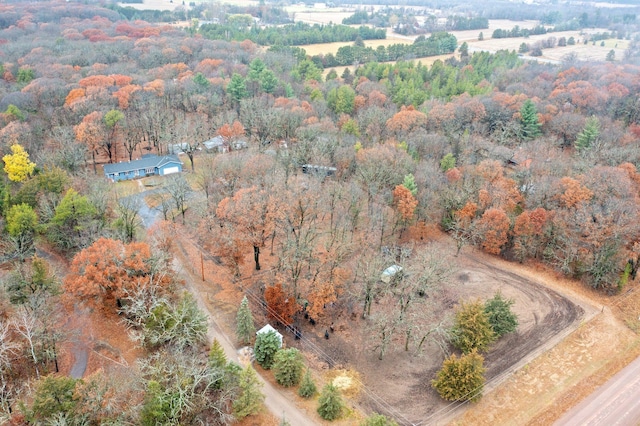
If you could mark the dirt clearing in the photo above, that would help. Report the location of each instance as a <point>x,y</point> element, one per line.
<point>399,385</point>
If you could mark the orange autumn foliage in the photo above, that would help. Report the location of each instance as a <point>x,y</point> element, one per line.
<point>90,130</point>
<point>632,172</point>
<point>107,269</point>
<point>467,213</point>
<point>376,98</point>
<point>231,132</point>
<point>453,175</point>
<point>121,80</point>
<point>208,66</point>
<point>406,120</point>
<point>528,232</point>
<point>74,96</point>
<point>124,94</point>
<point>281,307</point>
<point>320,297</point>
<point>530,222</point>
<point>97,80</point>
<point>494,228</point>
<point>574,193</point>
<point>405,202</point>
<point>156,86</point>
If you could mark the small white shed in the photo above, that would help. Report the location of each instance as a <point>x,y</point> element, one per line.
<point>389,273</point>
<point>267,328</point>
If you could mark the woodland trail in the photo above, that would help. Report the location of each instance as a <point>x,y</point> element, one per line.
<point>277,403</point>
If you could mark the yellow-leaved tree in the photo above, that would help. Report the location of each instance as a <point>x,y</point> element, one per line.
<point>17,164</point>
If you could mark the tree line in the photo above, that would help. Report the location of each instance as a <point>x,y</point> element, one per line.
<point>530,162</point>
<point>436,44</point>
<point>297,34</point>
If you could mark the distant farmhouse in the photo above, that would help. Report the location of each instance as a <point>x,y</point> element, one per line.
<point>148,165</point>
<point>217,144</point>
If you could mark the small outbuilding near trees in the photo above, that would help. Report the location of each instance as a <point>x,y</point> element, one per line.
<point>267,328</point>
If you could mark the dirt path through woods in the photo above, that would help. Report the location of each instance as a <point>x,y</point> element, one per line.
<point>277,402</point>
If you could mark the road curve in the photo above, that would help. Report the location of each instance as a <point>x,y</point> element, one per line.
<point>616,403</point>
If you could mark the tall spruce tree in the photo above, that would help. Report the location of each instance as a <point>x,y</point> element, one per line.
<point>409,182</point>
<point>501,318</point>
<point>217,357</point>
<point>529,120</point>
<point>265,348</point>
<point>288,365</point>
<point>589,135</point>
<point>245,327</point>
<point>250,399</point>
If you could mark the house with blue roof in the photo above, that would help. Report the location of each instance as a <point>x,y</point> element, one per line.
<point>148,165</point>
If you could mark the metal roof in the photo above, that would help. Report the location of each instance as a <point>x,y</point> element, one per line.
<point>147,162</point>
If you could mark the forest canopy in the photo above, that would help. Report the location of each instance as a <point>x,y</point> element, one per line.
<point>316,179</point>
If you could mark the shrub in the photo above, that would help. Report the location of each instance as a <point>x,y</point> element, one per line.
<point>287,367</point>
<point>330,403</point>
<point>307,386</point>
<point>501,318</point>
<point>472,329</point>
<point>461,379</point>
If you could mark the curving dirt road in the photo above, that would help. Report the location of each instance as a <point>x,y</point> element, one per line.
<point>556,315</point>
<point>275,401</point>
<point>616,403</point>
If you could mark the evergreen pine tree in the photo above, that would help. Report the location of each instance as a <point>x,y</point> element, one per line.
<point>237,88</point>
<point>529,119</point>
<point>265,348</point>
<point>217,357</point>
<point>589,135</point>
<point>464,50</point>
<point>330,403</point>
<point>287,367</point>
<point>245,328</point>
<point>461,379</point>
<point>410,183</point>
<point>250,399</point>
<point>307,386</point>
<point>447,162</point>
<point>501,318</point>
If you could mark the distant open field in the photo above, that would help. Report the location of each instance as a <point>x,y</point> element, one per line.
<point>336,15</point>
<point>154,5</point>
<point>171,5</point>
<point>584,52</point>
<point>319,16</point>
<point>324,48</point>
